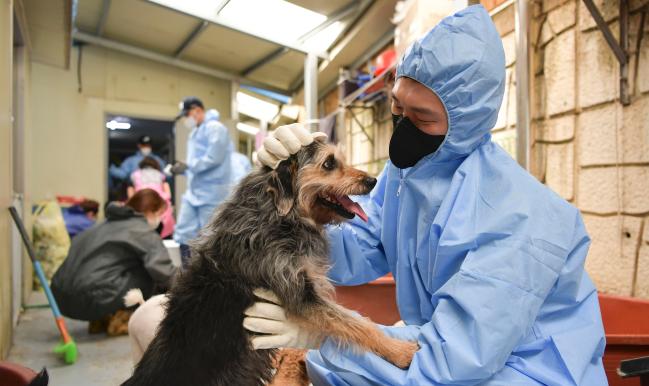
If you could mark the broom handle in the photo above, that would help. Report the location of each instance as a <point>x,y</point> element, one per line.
<point>23,233</point>
<point>38,269</point>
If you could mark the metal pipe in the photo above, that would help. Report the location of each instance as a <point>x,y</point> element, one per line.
<point>311,87</point>
<point>620,54</point>
<point>625,97</point>
<point>234,106</point>
<point>165,59</point>
<point>522,84</point>
<point>103,18</point>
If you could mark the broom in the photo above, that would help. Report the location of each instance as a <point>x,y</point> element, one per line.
<point>67,347</point>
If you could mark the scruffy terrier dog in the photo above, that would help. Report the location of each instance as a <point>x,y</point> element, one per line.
<point>270,235</point>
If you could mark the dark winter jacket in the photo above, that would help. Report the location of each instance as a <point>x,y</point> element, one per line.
<point>106,261</point>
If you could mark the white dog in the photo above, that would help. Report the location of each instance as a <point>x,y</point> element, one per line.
<point>144,322</point>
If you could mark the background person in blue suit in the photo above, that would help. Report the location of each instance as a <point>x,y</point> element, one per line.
<point>241,166</point>
<point>130,164</point>
<point>208,170</point>
<point>488,262</point>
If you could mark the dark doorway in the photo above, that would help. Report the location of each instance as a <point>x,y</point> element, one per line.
<point>123,136</point>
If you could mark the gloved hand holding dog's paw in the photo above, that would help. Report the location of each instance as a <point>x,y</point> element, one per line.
<point>268,317</point>
<point>285,141</point>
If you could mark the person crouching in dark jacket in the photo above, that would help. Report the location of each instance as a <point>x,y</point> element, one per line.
<point>107,260</point>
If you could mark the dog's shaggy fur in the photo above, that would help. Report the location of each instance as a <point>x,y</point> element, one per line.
<point>290,364</point>
<point>269,234</point>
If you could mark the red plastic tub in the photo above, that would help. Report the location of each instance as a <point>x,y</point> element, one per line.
<point>376,300</point>
<point>12,374</point>
<point>626,321</point>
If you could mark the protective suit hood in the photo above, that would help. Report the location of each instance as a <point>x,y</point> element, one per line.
<point>462,61</point>
<point>212,115</point>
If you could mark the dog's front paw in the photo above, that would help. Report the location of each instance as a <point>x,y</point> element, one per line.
<point>401,353</point>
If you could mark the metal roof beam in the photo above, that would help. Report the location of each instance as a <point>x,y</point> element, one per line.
<point>169,60</point>
<point>217,20</point>
<point>265,60</point>
<point>190,38</point>
<point>103,17</point>
<point>620,49</point>
<point>372,51</point>
<point>340,14</point>
<point>335,17</point>
<point>223,5</point>
<point>363,7</point>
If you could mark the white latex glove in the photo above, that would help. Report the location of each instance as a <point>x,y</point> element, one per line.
<point>285,141</point>
<point>270,319</point>
<point>178,167</point>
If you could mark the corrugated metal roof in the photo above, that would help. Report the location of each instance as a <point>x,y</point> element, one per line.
<point>163,30</point>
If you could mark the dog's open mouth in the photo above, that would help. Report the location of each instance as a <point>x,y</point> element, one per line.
<point>343,205</point>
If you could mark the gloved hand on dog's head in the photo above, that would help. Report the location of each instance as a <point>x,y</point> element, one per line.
<point>268,317</point>
<point>284,142</point>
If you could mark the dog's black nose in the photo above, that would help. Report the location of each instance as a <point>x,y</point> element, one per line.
<point>370,182</point>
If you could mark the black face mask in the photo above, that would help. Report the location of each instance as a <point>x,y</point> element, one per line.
<point>409,144</point>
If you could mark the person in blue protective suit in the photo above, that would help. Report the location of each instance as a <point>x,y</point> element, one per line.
<point>208,170</point>
<point>488,262</point>
<point>240,167</point>
<point>130,164</point>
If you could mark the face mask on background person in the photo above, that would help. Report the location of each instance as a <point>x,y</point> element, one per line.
<point>189,122</point>
<point>408,144</point>
<point>145,150</point>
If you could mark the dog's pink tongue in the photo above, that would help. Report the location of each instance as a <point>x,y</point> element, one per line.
<point>352,207</point>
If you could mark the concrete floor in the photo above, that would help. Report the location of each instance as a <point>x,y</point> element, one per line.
<point>102,360</point>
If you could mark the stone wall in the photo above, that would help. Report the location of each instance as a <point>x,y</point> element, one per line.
<point>589,148</point>
<point>504,133</point>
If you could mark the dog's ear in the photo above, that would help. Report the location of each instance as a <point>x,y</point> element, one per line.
<point>282,186</point>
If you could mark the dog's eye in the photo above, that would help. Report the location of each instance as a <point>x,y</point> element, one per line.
<point>329,164</point>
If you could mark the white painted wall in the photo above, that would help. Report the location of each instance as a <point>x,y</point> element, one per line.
<point>6,179</point>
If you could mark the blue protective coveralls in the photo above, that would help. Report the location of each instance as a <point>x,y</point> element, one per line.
<point>241,166</point>
<point>488,262</point>
<point>209,151</point>
<point>131,164</point>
